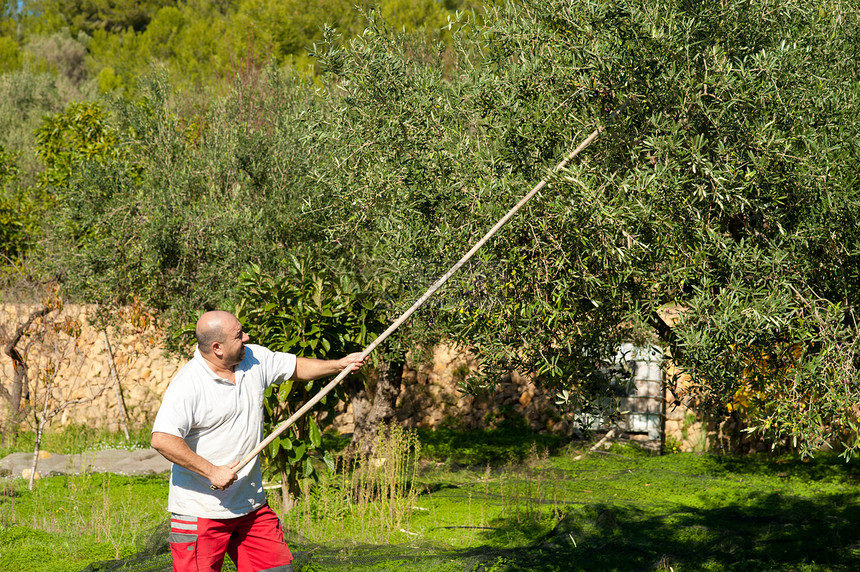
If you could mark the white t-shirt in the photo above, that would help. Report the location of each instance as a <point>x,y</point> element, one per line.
<point>222,423</point>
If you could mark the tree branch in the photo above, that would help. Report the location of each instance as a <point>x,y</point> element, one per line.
<point>665,331</point>
<point>19,382</point>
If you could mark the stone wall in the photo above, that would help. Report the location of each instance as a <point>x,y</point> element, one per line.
<point>683,429</point>
<point>431,396</point>
<point>66,351</point>
<point>687,430</point>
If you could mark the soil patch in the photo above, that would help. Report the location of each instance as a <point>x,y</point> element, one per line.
<point>119,461</point>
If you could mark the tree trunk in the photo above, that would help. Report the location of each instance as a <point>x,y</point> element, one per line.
<point>289,488</point>
<point>14,411</point>
<point>36,450</point>
<point>19,390</point>
<point>120,402</point>
<point>369,417</point>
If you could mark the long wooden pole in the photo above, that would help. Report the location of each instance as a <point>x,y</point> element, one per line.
<point>430,291</point>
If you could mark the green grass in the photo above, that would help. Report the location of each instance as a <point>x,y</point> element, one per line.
<point>622,509</point>
<point>628,511</point>
<point>625,509</point>
<point>510,440</point>
<point>67,522</point>
<point>77,439</point>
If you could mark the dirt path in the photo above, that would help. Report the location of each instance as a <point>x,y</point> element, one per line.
<point>119,461</point>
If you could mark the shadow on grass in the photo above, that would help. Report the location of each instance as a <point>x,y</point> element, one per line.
<point>771,532</point>
<point>829,467</point>
<point>512,441</point>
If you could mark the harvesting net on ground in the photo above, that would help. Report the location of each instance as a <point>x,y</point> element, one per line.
<point>154,556</point>
<point>608,511</point>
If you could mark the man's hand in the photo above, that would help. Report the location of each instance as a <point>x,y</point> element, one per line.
<point>312,368</point>
<point>176,450</point>
<point>223,476</point>
<point>352,361</point>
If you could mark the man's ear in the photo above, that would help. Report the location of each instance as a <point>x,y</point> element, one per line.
<point>216,349</point>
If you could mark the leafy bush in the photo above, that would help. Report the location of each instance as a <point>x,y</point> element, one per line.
<point>10,55</point>
<point>65,141</point>
<point>309,314</point>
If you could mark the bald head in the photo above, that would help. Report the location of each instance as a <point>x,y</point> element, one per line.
<point>214,327</point>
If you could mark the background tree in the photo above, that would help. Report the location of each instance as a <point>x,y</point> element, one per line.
<point>207,45</point>
<point>60,54</point>
<point>17,225</point>
<point>726,189</point>
<point>89,15</point>
<point>10,55</point>
<point>24,98</point>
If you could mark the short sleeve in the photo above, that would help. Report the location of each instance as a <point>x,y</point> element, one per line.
<point>276,366</point>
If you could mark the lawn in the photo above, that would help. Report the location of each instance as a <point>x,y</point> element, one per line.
<point>628,511</point>
<point>621,509</point>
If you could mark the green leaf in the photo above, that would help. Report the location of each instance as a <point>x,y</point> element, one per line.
<point>314,434</point>
<point>328,458</point>
<point>297,452</point>
<point>284,390</point>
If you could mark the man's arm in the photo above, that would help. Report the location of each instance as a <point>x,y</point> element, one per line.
<point>177,451</point>
<point>310,368</point>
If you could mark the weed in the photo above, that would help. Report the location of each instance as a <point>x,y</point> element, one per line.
<point>672,445</point>
<point>367,498</point>
<point>74,439</point>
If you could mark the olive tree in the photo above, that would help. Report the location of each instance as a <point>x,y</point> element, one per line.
<point>180,203</point>
<point>717,212</point>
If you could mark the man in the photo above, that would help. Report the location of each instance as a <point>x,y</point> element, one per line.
<point>210,418</point>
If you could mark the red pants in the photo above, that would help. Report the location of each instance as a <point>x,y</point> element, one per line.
<point>254,542</point>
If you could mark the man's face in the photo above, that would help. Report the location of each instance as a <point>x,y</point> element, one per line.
<point>233,346</point>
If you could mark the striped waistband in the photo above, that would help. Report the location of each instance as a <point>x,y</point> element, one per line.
<point>183,523</point>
